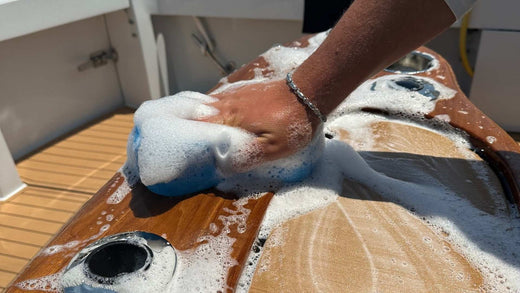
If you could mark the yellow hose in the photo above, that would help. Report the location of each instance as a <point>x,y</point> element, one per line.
<point>462,44</point>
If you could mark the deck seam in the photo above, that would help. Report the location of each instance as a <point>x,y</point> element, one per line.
<point>59,188</point>
<point>27,230</point>
<point>34,218</point>
<point>57,198</point>
<point>40,207</point>
<point>65,173</point>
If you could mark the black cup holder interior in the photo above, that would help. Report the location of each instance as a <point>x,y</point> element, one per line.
<point>115,258</point>
<point>413,84</point>
<point>146,260</point>
<point>412,63</point>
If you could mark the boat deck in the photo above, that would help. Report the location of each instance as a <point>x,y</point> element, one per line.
<point>60,178</point>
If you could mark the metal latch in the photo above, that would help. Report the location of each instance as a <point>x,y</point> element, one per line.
<point>99,58</point>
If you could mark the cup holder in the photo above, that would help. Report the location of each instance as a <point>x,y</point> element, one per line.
<point>112,263</point>
<point>413,63</point>
<point>113,259</point>
<point>412,84</point>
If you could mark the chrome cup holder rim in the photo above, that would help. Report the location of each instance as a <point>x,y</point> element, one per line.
<point>109,260</point>
<point>413,63</point>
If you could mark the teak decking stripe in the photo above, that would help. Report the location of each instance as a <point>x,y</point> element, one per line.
<point>61,178</point>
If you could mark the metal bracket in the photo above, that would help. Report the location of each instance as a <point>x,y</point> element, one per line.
<point>99,58</point>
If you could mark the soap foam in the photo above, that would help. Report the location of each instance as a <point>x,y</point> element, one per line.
<point>280,59</point>
<point>171,146</point>
<point>50,283</point>
<point>154,279</point>
<point>123,189</point>
<point>441,208</point>
<point>490,242</point>
<point>205,268</point>
<point>74,244</point>
<point>383,94</point>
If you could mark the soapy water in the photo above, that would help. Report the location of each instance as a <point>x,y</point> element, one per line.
<point>173,155</point>
<point>159,269</point>
<point>205,268</point>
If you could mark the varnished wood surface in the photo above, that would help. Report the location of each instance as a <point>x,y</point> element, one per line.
<point>181,220</point>
<point>61,177</point>
<point>364,242</point>
<point>361,245</point>
<point>490,141</point>
<point>315,252</point>
<point>153,210</point>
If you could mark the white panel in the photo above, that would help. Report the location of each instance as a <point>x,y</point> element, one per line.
<point>496,84</point>
<point>238,40</point>
<point>42,94</point>
<point>142,10</point>
<point>21,17</point>
<point>265,9</point>
<point>130,66</point>
<point>10,182</point>
<point>163,65</point>
<point>496,14</point>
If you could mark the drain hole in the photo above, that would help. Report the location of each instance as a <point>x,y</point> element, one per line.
<point>414,62</point>
<point>410,83</point>
<point>113,259</point>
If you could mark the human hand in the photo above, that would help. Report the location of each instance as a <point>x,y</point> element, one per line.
<point>271,112</point>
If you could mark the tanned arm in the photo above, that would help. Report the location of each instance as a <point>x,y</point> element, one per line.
<point>370,35</point>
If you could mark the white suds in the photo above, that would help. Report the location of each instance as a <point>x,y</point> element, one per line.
<point>205,268</point>
<point>443,117</point>
<point>49,283</point>
<point>491,139</point>
<point>59,248</point>
<point>155,278</point>
<point>489,242</point>
<point>126,186</point>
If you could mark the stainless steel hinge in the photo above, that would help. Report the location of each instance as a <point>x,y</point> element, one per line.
<point>99,58</point>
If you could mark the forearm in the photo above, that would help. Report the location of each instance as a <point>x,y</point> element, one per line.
<point>371,35</point>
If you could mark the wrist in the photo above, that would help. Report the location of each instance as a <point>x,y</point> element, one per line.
<point>304,99</point>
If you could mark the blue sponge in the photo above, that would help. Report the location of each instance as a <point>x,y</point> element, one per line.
<point>174,155</point>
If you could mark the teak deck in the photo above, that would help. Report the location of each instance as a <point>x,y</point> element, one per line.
<point>61,178</point>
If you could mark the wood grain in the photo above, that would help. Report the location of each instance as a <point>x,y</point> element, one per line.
<point>490,141</point>
<point>182,220</point>
<point>366,243</point>
<point>361,245</point>
<point>57,187</point>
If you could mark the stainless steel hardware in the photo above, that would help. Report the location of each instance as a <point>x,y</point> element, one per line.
<point>99,58</point>
<point>207,46</point>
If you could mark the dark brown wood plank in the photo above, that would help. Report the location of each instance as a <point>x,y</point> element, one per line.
<point>182,219</point>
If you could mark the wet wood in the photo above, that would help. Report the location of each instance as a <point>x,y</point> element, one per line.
<point>366,243</point>
<point>181,220</point>
<point>434,156</point>
<point>58,185</point>
<point>494,144</point>
<point>361,245</point>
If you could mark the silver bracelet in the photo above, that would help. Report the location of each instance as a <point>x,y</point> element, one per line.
<point>303,98</point>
